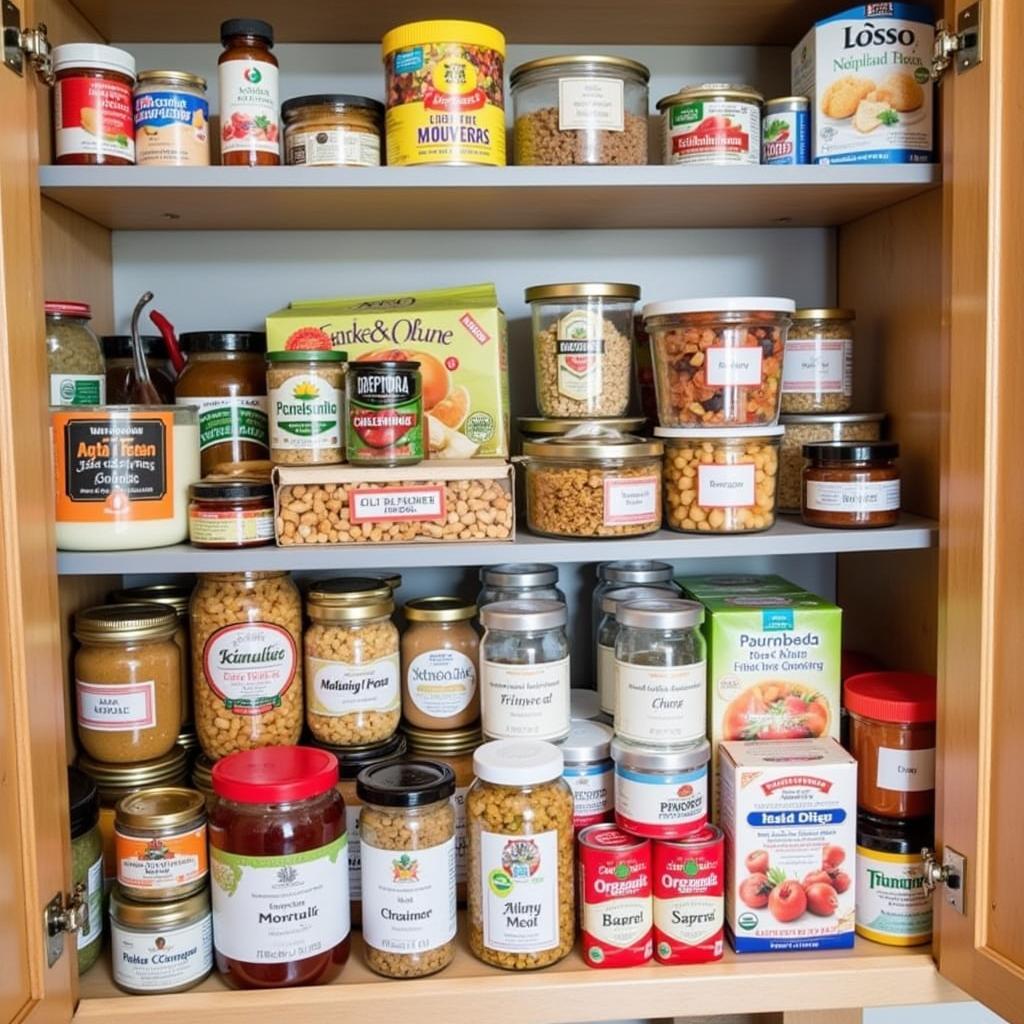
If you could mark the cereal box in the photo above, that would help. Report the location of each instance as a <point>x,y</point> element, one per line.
<point>789,813</point>
<point>457,335</point>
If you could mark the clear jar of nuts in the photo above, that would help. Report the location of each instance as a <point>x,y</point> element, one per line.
<point>353,667</point>
<point>305,401</point>
<point>817,373</point>
<point>720,481</point>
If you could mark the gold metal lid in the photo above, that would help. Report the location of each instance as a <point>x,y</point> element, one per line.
<point>130,777</point>
<point>574,62</point>
<point>448,741</point>
<point>593,444</point>
<point>161,807</point>
<point>174,77</point>
<point>723,90</point>
<point>123,623</point>
<point>187,738</point>
<point>439,609</point>
<point>202,774</point>
<point>350,599</point>
<point>583,290</point>
<point>174,595</point>
<point>546,425</point>
<point>824,314</point>
<point>158,916</point>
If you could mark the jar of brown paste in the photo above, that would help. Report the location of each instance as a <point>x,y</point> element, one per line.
<point>851,484</point>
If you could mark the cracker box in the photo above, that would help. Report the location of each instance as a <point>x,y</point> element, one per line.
<point>789,813</point>
<point>458,336</point>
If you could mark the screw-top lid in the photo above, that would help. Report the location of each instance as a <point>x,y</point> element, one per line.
<point>519,575</point>
<point>174,595</point>
<point>582,65</point>
<point>237,488</point>
<point>587,442</point>
<point>587,741</point>
<point>246,27</point>
<point>824,419</point>
<point>338,100</point>
<point>84,802</point>
<point>119,346</point>
<point>352,760</point>
<point>443,742</point>
<point>683,758</point>
<point>517,762</point>
<point>445,30</point>
<point>660,613</point>
<point>823,313</point>
<point>93,55</point>
<point>438,609</point>
<point>223,341</point>
<point>611,601</point>
<point>175,78</point>
<point>61,307</point>
<point>412,783</point>
<point>523,615</point>
<point>584,289</point>
<point>899,697</point>
<point>850,451</point>
<point>636,570</point>
<point>549,426</point>
<point>158,916</point>
<point>308,355</point>
<point>164,807</point>
<point>124,623</point>
<point>584,705</point>
<point>275,775</point>
<point>893,835</point>
<point>122,778</point>
<point>722,304</point>
<point>350,599</point>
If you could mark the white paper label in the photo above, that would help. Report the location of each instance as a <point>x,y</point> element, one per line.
<point>738,366</point>
<point>441,683</point>
<point>116,707</point>
<point>409,898</point>
<point>249,666</point>
<point>591,103</point>
<point>812,367</point>
<point>333,147</point>
<point>156,961</point>
<point>93,927</point>
<point>855,497</point>
<point>355,861</point>
<point>907,771</point>
<point>630,500</point>
<point>593,792</point>
<point>619,923</point>
<point>461,842</point>
<point>249,107</point>
<point>519,883</point>
<point>335,688</point>
<point>606,678</point>
<point>891,898</point>
<point>386,504</point>
<point>690,920</point>
<point>518,701</point>
<point>661,705</point>
<point>77,389</point>
<point>305,414</point>
<point>727,486</point>
<point>660,803</point>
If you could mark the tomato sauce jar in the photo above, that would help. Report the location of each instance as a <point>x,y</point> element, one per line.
<point>279,867</point>
<point>384,414</point>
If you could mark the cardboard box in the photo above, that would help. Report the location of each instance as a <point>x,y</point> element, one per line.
<point>458,335</point>
<point>789,813</point>
<point>732,584</point>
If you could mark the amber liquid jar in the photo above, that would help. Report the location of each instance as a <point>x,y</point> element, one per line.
<point>851,484</point>
<point>249,109</point>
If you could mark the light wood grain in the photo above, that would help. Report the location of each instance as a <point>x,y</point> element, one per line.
<point>822,1017</point>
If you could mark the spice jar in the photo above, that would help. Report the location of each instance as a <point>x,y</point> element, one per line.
<point>332,130</point>
<point>353,669</point>
<point>440,663</point>
<point>86,864</point>
<point>172,120</point>
<point>248,78</point>
<point>408,900</point>
<point>279,825</point>
<point>892,737</point>
<point>305,397</point>
<point>246,662</point>
<point>634,572</point>
<point>817,372</point>
<point>519,817</point>
<point>74,358</point>
<point>127,681</point>
<point>518,581</point>
<point>120,367</point>
<point>231,513</point>
<point>524,670</point>
<point>589,772</point>
<point>851,484</point>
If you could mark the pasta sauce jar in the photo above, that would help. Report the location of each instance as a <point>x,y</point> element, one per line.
<point>851,484</point>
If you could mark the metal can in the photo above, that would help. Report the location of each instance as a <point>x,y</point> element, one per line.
<point>384,423</point>
<point>589,771</point>
<point>689,898</point>
<point>615,890</point>
<point>712,124</point>
<point>786,131</point>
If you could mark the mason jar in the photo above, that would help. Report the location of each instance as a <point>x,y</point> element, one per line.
<point>817,369</point>
<point>513,581</point>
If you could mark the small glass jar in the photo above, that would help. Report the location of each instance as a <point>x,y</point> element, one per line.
<point>409,918</point>
<point>636,572</point>
<point>851,485</point>
<point>519,819</point>
<point>589,772</point>
<point>305,403</point>
<point>817,372</point>
<point>172,120</point>
<point>74,359</point>
<point>117,355</point>
<point>231,513</point>
<point>87,864</point>
<point>277,836</point>
<point>660,671</point>
<point>580,109</point>
<point>524,670</point>
<point>332,130</point>
<point>518,581</point>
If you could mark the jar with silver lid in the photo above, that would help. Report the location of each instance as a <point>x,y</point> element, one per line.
<point>660,672</point>
<point>524,670</point>
<point>633,572</point>
<point>589,772</point>
<point>817,366</point>
<point>513,581</point>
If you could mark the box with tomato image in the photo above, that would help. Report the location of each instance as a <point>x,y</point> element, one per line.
<point>789,813</point>
<point>458,336</point>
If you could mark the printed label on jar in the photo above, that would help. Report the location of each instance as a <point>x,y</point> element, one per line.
<point>461,842</point>
<point>172,129</point>
<point>689,901</point>
<point>94,116</point>
<point>713,132</point>
<point>249,666</point>
<point>355,855</point>
<point>116,707</point>
<point>409,898</point>
<point>593,792</point>
<point>157,961</point>
<point>519,883</point>
<point>280,909</point>
<point>734,366</point>
<point>441,683</point>
<point>336,688</point>
<point>661,805</point>
<point>333,147</point>
<point>579,353</point>
<point>248,106</point>
<point>727,486</point>
<point>305,414</point>
<point>810,367</point>
<point>591,104</point>
<point>245,526</point>
<point>892,904</point>
<point>530,701</point>
<point>77,389</point>
<point>230,419</point>
<point>855,496</point>
<point>93,927</point>
<point>606,678</point>
<point>386,504</point>
<point>661,705</point>
<point>906,771</point>
<point>154,865</point>
<point>629,500</point>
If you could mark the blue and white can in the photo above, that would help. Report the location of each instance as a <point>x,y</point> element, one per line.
<point>786,131</point>
<point>589,772</point>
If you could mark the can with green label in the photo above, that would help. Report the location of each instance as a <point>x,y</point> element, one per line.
<point>384,419</point>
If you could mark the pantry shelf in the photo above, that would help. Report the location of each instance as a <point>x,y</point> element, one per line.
<point>479,198</point>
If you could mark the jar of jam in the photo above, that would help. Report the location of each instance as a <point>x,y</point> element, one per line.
<point>851,484</point>
<point>892,736</point>
<point>233,513</point>
<point>248,78</point>
<point>279,868</point>
<point>117,352</point>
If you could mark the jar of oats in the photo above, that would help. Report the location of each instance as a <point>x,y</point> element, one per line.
<point>407,843</point>
<point>353,667</point>
<point>246,665</point>
<point>817,370</point>
<point>519,820</point>
<point>305,399</point>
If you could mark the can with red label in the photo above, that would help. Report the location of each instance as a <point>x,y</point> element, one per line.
<point>384,415</point>
<point>615,887</point>
<point>689,898</point>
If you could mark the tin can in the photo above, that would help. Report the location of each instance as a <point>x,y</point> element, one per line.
<point>786,131</point>
<point>689,898</point>
<point>712,124</point>
<point>615,891</point>
<point>384,423</point>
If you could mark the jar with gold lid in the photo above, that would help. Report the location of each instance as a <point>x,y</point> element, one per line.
<point>332,130</point>
<point>202,779</point>
<point>172,120</point>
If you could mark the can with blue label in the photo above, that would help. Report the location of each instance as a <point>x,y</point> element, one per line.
<point>786,131</point>
<point>172,120</point>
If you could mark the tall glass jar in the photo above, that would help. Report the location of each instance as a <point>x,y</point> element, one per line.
<point>74,359</point>
<point>817,369</point>
<point>518,581</point>
<point>633,572</point>
<point>87,863</point>
<point>248,77</point>
<point>524,670</point>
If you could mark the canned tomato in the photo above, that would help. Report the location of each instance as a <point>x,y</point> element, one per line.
<point>615,887</point>
<point>786,131</point>
<point>384,414</point>
<point>712,124</point>
<point>689,898</point>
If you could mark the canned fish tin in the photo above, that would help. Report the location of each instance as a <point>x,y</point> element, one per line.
<point>689,898</point>
<point>384,414</point>
<point>712,124</point>
<point>786,131</point>
<point>615,886</point>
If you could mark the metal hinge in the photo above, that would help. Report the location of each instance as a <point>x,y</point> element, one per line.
<point>31,44</point>
<point>951,874</point>
<point>64,915</point>
<point>962,46</point>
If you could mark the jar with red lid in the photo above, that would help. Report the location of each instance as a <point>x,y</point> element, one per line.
<point>279,868</point>
<point>74,358</point>
<point>892,736</point>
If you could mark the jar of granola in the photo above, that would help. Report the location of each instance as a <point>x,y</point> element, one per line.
<point>305,399</point>
<point>817,372</point>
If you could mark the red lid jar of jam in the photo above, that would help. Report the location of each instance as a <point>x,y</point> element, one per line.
<point>279,868</point>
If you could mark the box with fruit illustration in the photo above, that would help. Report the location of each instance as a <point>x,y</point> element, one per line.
<point>789,813</point>
<point>457,335</point>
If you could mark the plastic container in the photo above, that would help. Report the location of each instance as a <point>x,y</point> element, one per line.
<point>817,372</point>
<point>851,485</point>
<point>172,120</point>
<point>517,581</point>
<point>234,513</point>
<point>87,863</point>
<point>74,358</point>
<point>332,130</point>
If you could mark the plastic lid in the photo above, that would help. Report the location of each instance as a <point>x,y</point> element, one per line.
<point>704,433</point>
<point>637,570</point>
<point>439,609</point>
<point>519,575</point>
<point>584,705</point>
<point>119,346</point>
<point>894,835</point>
<point>93,55</point>
<point>352,760</point>
<point>246,27</point>
<point>63,308</point>
<point>330,99</point>
<point>733,304</point>
<point>275,775</point>
<point>584,289</point>
<point>235,489</point>
<point>163,807</point>
<point>660,613</point>
<point>607,836</point>
<point>445,30</point>
<point>308,355</point>
<point>525,614</point>
<point>123,623</point>
<point>84,801</point>
<point>850,451</point>
<point>899,697</point>
<point>517,762</point>
<point>587,741</point>
<point>223,341</point>
<point>624,595</point>
<point>411,783</point>
<point>682,758</point>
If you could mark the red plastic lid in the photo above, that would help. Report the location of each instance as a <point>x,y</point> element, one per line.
<point>275,775</point>
<point>82,309</point>
<point>891,696</point>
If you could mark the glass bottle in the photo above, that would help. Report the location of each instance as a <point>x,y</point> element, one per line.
<point>249,108</point>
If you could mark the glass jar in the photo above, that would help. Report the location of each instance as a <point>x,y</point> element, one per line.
<point>440,664</point>
<point>580,109</point>
<point>817,372</point>
<point>519,816</point>
<point>202,779</point>
<point>536,428</point>
<point>74,359</point>
<point>87,864</point>
<point>246,661</point>
<point>353,667</point>
<point>851,485</point>
<point>306,399</point>
<point>248,78</point>
<point>409,917</point>
<point>585,706</point>
<point>279,821</point>
<point>120,367</point>
<point>583,348</point>
<point>332,130</point>
<point>518,581</point>
<point>636,572</point>
<point>231,513</point>
<point>589,772</point>
<point>127,681</point>
<point>892,736</point>
<point>172,120</point>
<point>524,670</point>
<point>189,742</point>
<point>593,483</point>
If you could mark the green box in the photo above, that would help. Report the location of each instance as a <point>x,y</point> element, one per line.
<point>729,584</point>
